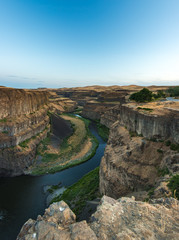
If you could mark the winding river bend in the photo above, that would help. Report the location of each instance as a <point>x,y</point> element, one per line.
<point>22,197</point>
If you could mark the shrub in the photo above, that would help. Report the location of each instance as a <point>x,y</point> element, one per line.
<point>174,147</point>
<point>146,109</point>
<point>145,95</point>
<point>173,91</point>
<point>174,186</point>
<point>168,143</point>
<point>159,150</point>
<point>3,120</point>
<point>163,171</point>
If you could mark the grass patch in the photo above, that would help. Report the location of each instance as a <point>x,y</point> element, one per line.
<point>24,144</point>
<point>5,132</point>
<point>4,120</point>
<point>163,171</point>
<point>146,109</point>
<point>151,192</point>
<point>69,148</point>
<point>85,189</point>
<point>74,143</point>
<point>174,147</point>
<point>159,150</point>
<point>49,157</point>
<point>168,143</point>
<point>174,186</point>
<point>103,131</point>
<point>132,134</point>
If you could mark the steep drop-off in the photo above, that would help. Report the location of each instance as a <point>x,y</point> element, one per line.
<point>15,102</point>
<point>23,124</point>
<point>119,219</point>
<point>93,110</point>
<point>137,152</point>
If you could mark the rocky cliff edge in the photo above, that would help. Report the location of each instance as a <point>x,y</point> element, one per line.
<point>122,219</point>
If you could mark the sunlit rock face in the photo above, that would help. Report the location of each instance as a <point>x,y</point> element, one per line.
<point>15,102</point>
<point>23,116</point>
<point>124,218</point>
<point>94,110</point>
<point>136,147</point>
<point>159,120</point>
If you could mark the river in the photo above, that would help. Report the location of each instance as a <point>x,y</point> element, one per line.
<point>23,197</point>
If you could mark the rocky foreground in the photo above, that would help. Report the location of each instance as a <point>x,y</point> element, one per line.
<point>122,219</point>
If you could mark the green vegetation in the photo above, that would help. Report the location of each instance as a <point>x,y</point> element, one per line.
<point>163,171</point>
<point>173,91</point>
<point>174,147</point>
<point>132,134</point>
<point>54,187</point>
<point>153,139</point>
<point>103,131</point>
<point>146,109</point>
<point>70,148</point>
<point>3,120</point>
<point>78,110</point>
<point>24,144</point>
<point>160,94</point>
<point>168,143</point>
<point>145,95</point>
<point>159,150</point>
<point>85,189</point>
<point>151,192</point>
<point>174,186</point>
<point>43,146</point>
<point>5,132</point>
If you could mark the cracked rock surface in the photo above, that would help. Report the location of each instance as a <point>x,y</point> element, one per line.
<point>124,218</point>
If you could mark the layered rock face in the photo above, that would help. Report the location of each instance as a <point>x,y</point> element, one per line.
<point>110,116</point>
<point>114,219</point>
<point>15,102</point>
<point>23,121</point>
<point>162,122</point>
<point>132,161</point>
<point>60,104</point>
<point>93,110</point>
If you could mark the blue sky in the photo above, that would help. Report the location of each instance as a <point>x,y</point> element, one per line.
<point>66,43</point>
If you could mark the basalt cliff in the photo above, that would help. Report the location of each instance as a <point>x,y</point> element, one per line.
<point>24,123</point>
<point>124,219</point>
<point>23,119</point>
<point>142,149</point>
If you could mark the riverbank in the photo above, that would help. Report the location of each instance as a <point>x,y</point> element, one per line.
<point>77,195</point>
<point>79,147</point>
<point>23,197</point>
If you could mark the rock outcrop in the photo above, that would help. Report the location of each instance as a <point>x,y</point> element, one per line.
<point>23,124</point>
<point>93,110</point>
<point>59,104</point>
<point>152,120</point>
<point>15,102</point>
<point>124,218</point>
<point>136,151</point>
<point>110,116</point>
<point>58,222</point>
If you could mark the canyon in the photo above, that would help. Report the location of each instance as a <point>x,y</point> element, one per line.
<point>140,159</point>
<point>137,148</point>
<point>24,123</point>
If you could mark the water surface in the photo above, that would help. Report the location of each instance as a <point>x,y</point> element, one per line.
<point>23,197</point>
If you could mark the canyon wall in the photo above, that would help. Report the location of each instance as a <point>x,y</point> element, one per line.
<point>136,151</point>
<point>162,123</point>
<point>15,102</point>
<point>93,110</point>
<point>23,124</point>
